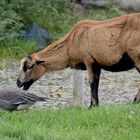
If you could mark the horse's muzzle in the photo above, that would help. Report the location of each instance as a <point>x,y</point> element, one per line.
<point>25,85</point>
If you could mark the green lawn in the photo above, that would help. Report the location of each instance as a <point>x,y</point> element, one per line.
<point>115,122</point>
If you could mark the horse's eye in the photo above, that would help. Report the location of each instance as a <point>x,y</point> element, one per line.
<point>30,67</point>
<point>24,68</point>
<point>27,68</point>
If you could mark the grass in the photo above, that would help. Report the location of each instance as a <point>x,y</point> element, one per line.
<point>74,123</point>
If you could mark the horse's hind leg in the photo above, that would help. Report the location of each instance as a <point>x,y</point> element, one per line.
<point>94,71</point>
<point>135,57</point>
<point>137,98</point>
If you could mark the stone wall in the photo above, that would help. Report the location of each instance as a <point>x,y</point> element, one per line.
<point>133,4</point>
<point>126,4</point>
<point>98,3</point>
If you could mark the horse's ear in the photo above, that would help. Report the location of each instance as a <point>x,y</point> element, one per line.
<point>39,62</point>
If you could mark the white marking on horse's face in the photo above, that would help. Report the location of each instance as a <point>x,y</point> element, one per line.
<point>22,63</point>
<point>22,77</point>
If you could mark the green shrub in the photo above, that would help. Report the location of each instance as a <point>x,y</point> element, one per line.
<point>15,14</point>
<point>16,48</point>
<point>10,20</point>
<point>50,14</point>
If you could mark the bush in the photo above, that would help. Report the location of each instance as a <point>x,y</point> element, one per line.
<point>10,20</point>
<point>50,14</point>
<point>16,48</point>
<point>17,13</point>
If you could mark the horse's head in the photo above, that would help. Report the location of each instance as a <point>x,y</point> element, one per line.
<point>31,70</point>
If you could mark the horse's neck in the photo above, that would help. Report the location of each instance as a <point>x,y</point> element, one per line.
<point>55,58</point>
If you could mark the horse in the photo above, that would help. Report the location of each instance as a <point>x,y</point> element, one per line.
<point>112,45</point>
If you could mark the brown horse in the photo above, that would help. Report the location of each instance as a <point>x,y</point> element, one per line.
<point>113,45</point>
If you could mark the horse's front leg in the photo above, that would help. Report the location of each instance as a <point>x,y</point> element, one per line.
<point>94,71</point>
<point>94,85</point>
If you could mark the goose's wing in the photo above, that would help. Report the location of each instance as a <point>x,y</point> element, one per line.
<point>21,103</point>
<point>18,96</point>
<point>14,96</point>
<point>9,94</point>
<point>6,105</point>
<point>27,99</point>
<point>34,98</point>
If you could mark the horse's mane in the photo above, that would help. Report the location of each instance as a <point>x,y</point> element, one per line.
<point>66,38</point>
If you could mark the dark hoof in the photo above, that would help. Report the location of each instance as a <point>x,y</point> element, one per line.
<point>136,100</point>
<point>91,106</point>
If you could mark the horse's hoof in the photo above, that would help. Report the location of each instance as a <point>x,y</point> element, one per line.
<point>91,106</point>
<point>136,100</point>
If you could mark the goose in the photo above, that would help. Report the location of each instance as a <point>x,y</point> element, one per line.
<point>13,99</point>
